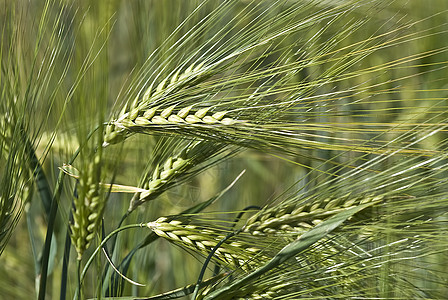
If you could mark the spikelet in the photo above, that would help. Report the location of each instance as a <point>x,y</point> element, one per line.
<point>88,206</point>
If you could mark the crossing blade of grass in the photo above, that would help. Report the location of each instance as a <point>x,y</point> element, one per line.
<point>289,251</point>
<point>44,191</point>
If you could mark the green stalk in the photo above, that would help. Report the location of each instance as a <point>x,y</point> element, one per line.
<point>78,295</point>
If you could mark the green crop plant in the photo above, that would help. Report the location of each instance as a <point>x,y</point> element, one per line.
<point>238,149</point>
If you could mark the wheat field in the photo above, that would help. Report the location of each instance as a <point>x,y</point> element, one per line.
<point>238,149</point>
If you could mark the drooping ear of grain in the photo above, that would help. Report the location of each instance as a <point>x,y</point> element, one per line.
<point>145,112</point>
<point>295,218</point>
<point>169,118</point>
<point>232,254</point>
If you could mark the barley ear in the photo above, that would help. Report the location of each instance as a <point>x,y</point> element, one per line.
<point>88,206</point>
<point>175,168</point>
<point>181,232</point>
<point>147,114</point>
<point>298,217</point>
